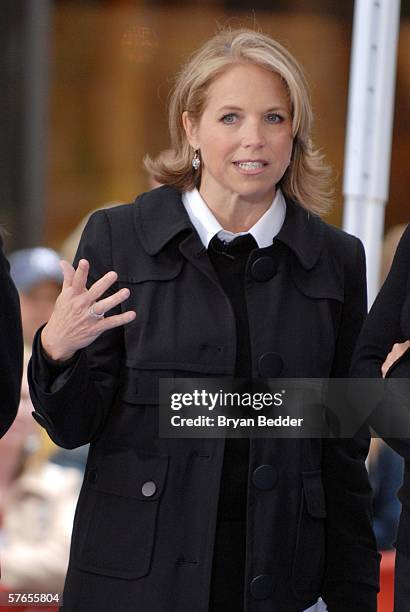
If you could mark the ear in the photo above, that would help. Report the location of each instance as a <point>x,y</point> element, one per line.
<point>191,130</point>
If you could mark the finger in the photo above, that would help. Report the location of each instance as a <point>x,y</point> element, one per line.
<point>385,367</point>
<point>110,302</point>
<point>402,350</point>
<point>100,286</point>
<point>68,273</point>
<point>117,320</point>
<point>398,350</point>
<point>80,276</point>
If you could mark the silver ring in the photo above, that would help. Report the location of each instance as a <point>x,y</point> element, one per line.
<point>93,314</point>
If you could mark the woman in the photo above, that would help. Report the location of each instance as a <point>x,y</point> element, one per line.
<point>178,525</point>
<point>383,351</point>
<point>11,346</point>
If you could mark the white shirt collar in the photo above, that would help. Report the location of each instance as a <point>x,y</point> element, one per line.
<point>208,226</point>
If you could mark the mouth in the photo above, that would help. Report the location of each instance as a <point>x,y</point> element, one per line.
<point>251,165</point>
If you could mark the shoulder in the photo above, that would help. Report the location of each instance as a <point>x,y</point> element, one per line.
<point>159,197</point>
<point>403,249</point>
<point>157,202</point>
<point>8,291</point>
<point>339,242</point>
<point>113,214</point>
<point>314,241</point>
<point>343,248</point>
<point>344,255</point>
<point>4,264</point>
<point>142,228</point>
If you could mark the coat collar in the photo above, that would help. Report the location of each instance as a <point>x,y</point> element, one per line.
<point>302,232</point>
<point>160,216</point>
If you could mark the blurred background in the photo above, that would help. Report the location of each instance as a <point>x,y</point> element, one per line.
<point>85,86</point>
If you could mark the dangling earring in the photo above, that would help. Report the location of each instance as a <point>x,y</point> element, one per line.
<point>196,161</point>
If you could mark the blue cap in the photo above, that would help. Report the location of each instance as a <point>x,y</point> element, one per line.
<point>30,267</point>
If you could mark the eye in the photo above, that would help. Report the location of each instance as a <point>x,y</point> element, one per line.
<point>229,118</point>
<point>273,118</point>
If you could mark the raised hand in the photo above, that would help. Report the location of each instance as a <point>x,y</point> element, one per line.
<point>78,317</point>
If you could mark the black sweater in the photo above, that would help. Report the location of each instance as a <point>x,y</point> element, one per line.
<point>228,570</point>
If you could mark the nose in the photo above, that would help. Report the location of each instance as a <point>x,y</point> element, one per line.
<point>253,135</point>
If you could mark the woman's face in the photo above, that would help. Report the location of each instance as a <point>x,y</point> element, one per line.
<point>244,135</point>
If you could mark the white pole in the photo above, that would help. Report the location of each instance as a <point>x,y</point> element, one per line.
<point>369,127</point>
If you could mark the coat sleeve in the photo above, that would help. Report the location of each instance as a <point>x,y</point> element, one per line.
<point>72,399</point>
<point>11,347</point>
<point>352,561</point>
<point>388,322</point>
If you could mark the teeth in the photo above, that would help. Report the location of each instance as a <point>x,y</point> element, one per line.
<point>250,165</point>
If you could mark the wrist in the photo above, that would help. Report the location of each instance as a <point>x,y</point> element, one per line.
<point>52,349</point>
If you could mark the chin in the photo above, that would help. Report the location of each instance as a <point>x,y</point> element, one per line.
<point>257,196</point>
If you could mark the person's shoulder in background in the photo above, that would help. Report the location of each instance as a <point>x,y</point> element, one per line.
<point>11,346</point>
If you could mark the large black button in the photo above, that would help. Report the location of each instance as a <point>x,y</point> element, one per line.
<point>270,365</point>
<point>263,269</point>
<point>265,477</point>
<point>262,586</point>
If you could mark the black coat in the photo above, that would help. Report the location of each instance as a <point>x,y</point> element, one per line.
<point>388,322</point>
<point>309,535</point>
<point>11,347</point>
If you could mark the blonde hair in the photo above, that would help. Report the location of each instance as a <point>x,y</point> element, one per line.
<point>307,179</point>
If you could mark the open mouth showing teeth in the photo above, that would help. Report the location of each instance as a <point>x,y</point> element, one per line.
<point>250,165</point>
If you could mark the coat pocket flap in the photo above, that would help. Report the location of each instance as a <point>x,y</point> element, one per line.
<point>314,493</point>
<point>129,473</point>
<point>151,270</point>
